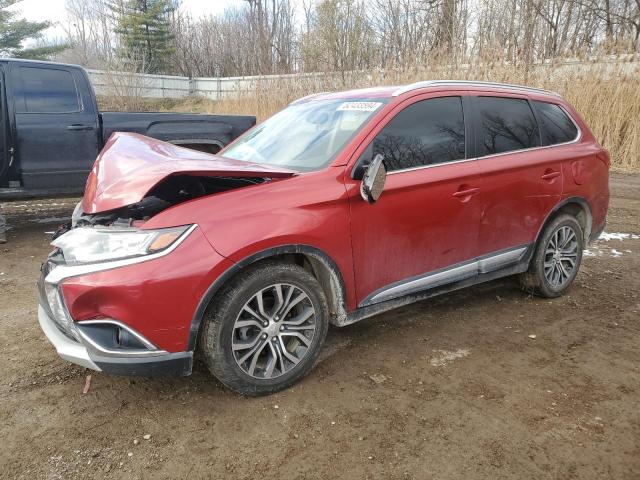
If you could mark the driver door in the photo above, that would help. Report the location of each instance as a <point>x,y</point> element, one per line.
<point>427,219</point>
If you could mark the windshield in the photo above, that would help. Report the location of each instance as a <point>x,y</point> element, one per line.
<point>305,136</point>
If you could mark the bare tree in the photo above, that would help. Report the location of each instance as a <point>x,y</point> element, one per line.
<point>261,37</point>
<point>90,32</point>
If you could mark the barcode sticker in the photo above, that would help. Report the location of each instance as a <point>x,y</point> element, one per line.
<point>359,106</point>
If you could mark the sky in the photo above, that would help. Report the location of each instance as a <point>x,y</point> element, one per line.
<point>54,11</point>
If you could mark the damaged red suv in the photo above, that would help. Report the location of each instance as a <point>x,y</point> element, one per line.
<point>341,206</point>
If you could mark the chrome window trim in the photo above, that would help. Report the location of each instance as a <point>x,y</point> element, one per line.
<point>90,343</point>
<point>63,272</point>
<point>432,165</point>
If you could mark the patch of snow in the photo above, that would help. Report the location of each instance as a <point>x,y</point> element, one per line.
<point>600,249</point>
<point>443,357</point>
<point>605,236</point>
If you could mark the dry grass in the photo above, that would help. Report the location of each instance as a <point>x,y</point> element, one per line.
<point>606,93</point>
<point>139,104</point>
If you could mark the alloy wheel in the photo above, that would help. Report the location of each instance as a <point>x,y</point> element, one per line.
<point>273,331</point>
<point>561,256</point>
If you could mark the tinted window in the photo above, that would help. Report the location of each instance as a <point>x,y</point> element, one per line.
<point>425,133</point>
<point>47,90</point>
<point>555,125</point>
<point>506,124</point>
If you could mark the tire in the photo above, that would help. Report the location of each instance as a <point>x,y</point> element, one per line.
<point>228,326</point>
<point>548,274</point>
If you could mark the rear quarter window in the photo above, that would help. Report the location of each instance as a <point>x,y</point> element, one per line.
<point>506,125</point>
<point>555,125</point>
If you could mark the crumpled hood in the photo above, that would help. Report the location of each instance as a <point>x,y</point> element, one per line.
<point>130,165</point>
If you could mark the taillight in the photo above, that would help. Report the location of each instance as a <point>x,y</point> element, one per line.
<point>604,157</point>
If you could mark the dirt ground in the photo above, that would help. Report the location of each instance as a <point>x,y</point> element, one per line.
<point>449,388</point>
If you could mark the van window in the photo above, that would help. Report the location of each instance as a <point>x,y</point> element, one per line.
<point>46,90</point>
<point>556,127</point>
<point>506,124</point>
<point>425,133</point>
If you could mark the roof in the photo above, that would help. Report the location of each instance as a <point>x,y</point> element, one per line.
<point>396,91</point>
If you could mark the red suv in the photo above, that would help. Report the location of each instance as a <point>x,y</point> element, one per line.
<point>341,206</point>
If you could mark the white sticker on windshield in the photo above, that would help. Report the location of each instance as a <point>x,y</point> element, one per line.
<point>360,106</point>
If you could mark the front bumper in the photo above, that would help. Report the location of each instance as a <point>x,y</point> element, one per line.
<point>68,349</point>
<point>129,317</point>
<point>76,352</point>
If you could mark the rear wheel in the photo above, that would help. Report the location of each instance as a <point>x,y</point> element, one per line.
<point>557,258</point>
<point>265,329</point>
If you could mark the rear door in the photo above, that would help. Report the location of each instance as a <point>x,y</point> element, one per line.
<point>56,126</point>
<point>426,220</point>
<point>521,182</point>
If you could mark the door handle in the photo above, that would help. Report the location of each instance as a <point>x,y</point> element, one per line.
<point>467,192</point>
<point>550,175</point>
<point>79,127</point>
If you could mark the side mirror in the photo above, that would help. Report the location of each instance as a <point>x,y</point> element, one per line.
<point>373,179</point>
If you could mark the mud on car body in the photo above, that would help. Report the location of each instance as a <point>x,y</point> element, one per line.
<point>339,207</point>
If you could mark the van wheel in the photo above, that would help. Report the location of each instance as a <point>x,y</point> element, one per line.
<point>264,331</point>
<point>557,258</point>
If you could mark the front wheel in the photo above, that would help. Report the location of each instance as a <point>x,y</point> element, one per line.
<point>265,329</point>
<point>557,258</point>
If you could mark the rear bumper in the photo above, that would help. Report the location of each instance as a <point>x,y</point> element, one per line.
<point>76,352</point>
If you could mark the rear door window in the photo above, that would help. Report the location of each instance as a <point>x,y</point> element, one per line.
<point>506,125</point>
<point>427,132</point>
<point>555,125</point>
<point>46,90</point>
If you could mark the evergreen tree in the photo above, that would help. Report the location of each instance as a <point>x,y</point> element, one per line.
<point>14,31</point>
<point>143,27</point>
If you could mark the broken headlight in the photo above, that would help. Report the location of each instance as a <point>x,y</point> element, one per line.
<point>57,308</point>
<point>90,245</point>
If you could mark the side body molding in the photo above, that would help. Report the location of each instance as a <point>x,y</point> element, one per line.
<point>454,273</point>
